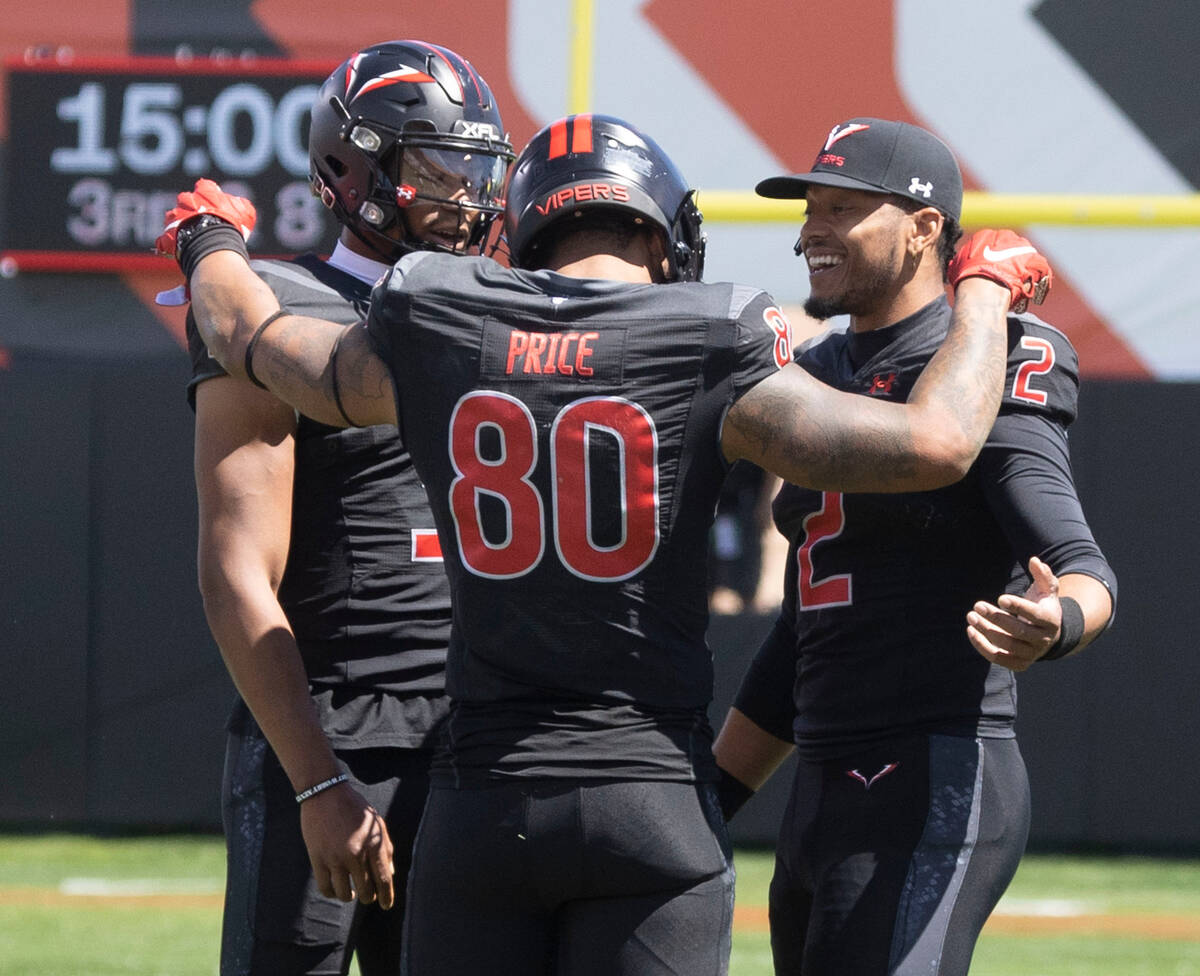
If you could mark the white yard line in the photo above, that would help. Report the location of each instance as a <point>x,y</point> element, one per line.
<point>137,887</point>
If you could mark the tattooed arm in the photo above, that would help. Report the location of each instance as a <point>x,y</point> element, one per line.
<point>811,434</point>
<point>294,357</point>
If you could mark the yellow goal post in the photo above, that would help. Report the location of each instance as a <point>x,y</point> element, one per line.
<point>988,209</point>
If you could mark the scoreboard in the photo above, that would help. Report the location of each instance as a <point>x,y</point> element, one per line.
<point>97,150</point>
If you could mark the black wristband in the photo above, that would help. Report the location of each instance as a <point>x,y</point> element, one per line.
<point>732,794</point>
<point>1070,631</point>
<point>200,236</point>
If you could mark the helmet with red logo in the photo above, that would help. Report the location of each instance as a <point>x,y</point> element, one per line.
<point>406,133</point>
<point>586,162</point>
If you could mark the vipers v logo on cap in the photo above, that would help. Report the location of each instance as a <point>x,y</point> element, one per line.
<point>840,132</point>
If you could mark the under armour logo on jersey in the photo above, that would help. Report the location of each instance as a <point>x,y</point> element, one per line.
<point>868,783</point>
<point>916,186</point>
<point>840,132</point>
<point>881,385</point>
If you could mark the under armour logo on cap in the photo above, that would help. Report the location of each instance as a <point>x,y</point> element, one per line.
<point>880,158</point>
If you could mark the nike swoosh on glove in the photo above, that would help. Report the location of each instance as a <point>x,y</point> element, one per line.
<point>1008,259</point>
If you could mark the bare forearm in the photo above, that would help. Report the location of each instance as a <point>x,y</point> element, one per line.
<point>747,752</point>
<point>228,302</point>
<point>811,434</point>
<point>957,395</point>
<point>262,658</point>
<point>294,356</point>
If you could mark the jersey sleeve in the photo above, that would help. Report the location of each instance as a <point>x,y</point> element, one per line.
<point>764,338</point>
<point>1025,472</point>
<point>1043,371</point>
<point>766,694</point>
<point>204,367</point>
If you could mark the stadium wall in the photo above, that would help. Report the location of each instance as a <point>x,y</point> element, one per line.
<point>114,700</point>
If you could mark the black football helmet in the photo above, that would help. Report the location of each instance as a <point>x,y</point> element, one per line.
<point>406,123</point>
<point>589,161</point>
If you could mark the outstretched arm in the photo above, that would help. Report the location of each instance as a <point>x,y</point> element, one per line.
<point>325,370</point>
<point>811,434</point>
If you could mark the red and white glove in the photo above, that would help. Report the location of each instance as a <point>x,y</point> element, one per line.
<point>1007,259</point>
<point>206,198</point>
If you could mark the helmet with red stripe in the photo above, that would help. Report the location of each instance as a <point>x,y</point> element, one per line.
<point>588,162</point>
<point>408,150</point>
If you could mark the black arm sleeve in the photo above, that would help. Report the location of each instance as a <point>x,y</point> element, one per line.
<point>766,695</point>
<point>1025,471</point>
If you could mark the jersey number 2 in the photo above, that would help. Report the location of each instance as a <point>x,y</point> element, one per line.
<point>825,523</point>
<point>507,478</point>
<point>1021,390</point>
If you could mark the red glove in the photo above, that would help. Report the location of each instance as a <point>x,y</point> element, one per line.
<point>1007,259</point>
<point>207,198</point>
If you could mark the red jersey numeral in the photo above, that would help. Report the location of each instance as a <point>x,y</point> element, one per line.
<point>507,479</point>
<point>825,523</point>
<point>782,328</point>
<point>1021,390</point>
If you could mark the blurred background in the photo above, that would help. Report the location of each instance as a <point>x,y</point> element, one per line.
<point>1074,121</point>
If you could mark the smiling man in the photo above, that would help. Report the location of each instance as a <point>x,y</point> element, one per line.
<point>889,670</point>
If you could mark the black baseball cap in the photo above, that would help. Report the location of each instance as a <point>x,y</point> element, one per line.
<point>880,156</point>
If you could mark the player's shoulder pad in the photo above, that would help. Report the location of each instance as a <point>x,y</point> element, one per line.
<point>1043,370</point>
<point>412,268</point>
<point>756,313</point>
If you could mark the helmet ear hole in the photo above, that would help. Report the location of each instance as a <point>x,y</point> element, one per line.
<point>336,166</point>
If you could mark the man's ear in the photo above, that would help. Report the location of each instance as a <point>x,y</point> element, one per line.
<point>926,227</point>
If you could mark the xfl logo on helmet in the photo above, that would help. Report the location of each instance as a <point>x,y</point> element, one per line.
<point>476,130</point>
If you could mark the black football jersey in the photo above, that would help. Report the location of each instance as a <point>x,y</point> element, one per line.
<point>364,589</point>
<point>878,586</point>
<point>568,431</point>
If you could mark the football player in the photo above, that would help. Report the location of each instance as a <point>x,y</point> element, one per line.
<point>322,579</point>
<point>890,669</point>
<point>572,419</point>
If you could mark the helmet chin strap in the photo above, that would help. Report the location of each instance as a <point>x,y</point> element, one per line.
<point>396,249</point>
<point>393,252</point>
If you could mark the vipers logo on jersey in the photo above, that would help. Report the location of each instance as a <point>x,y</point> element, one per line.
<point>579,354</point>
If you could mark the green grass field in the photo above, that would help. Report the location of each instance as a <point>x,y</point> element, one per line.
<point>150,906</point>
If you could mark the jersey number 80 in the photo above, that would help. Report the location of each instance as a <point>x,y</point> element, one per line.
<point>507,478</point>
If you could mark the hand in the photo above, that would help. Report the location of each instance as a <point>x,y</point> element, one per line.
<point>206,198</point>
<point>1007,259</point>
<point>349,847</point>
<point>1019,630</point>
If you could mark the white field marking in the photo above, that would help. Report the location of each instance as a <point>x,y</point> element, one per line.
<point>137,887</point>
<point>1044,907</point>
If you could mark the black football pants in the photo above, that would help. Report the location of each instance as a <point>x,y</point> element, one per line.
<point>559,879</point>
<point>276,922</point>
<point>890,861</point>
